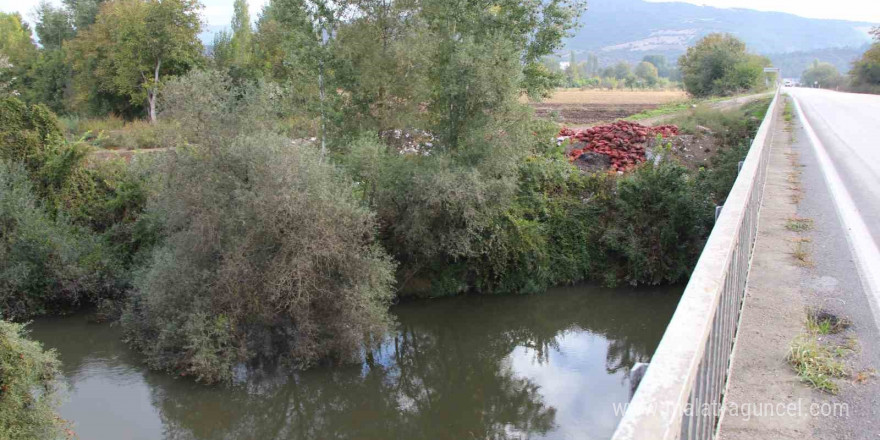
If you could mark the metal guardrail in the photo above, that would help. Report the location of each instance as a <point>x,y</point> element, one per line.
<point>681,394</point>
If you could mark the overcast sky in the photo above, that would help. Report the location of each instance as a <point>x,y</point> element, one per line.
<point>219,12</point>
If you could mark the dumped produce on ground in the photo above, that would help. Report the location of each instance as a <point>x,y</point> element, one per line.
<point>623,142</point>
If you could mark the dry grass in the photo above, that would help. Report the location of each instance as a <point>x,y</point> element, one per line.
<point>817,364</point>
<point>801,253</point>
<point>578,96</point>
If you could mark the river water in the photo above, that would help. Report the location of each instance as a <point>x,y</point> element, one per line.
<point>545,366</point>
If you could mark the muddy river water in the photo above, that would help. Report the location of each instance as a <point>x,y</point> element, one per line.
<point>551,366</point>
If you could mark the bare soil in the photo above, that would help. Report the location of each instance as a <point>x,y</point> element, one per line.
<point>585,115</point>
<point>577,108</point>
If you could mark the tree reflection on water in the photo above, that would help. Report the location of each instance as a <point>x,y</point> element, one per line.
<point>448,372</point>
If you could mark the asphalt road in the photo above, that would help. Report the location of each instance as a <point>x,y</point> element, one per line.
<point>844,131</point>
<point>847,129</point>
<point>848,124</point>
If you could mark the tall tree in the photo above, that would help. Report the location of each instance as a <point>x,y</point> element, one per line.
<point>647,72</point>
<point>50,74</point>
<point>660,62</point>
<point>622,70</point>
<point>54,25</point>
<point>484,53</point>
<point>232,49</point>
<point>83,12</point>
<point>821,74</point>
<point>19,50</point>
<point>133,44</point>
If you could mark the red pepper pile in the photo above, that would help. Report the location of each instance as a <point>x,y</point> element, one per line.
<point>622,141</point>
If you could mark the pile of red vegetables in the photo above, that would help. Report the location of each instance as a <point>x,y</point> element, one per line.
<point>623,142</point>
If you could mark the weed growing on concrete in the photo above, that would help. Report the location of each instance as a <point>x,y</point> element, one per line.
<point>801,253</point>
<point>824,323</point>
<point>816,364</point>
<point>798,224</point>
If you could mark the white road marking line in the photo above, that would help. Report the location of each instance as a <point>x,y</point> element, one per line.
<point>862,245</point>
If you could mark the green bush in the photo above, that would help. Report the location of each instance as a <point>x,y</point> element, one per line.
<point>27,387</point>
<point>660,220</point>
<point>865,73</point>
<point>46,264</point>
<point>63,220</point>
<point>266,255</point>
<point>720,65</point>
<point>29,134</point>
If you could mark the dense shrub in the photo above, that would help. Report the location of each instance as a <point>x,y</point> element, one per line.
<point>27,387</point>
<point>68,226</point>
<point>46,263</point>
<point>29,134</point>
<point>266,255</point>
<point>660,221</point>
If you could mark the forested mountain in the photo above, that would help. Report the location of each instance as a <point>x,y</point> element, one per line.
<point>629,29</point>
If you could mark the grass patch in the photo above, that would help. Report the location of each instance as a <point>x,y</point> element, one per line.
<point>821,322</point>
<point>798,224</point>
<point>816,364</point>
<point>788,112</point>
<point>663,110</point>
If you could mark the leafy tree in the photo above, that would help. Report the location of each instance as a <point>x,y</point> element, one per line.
<point>50,73</point>
<point>378,61</point>
<point>659,61</point>
<point>647,73</point>
<point>134,44</point>
<point>17,46</point>
<point>719,65</point>
<point>83,12</point>
<point>574,74</point>
<point>866,71</point>
<point>592,65</point>
<point>622,70</point>
<point>233,51</point>
<point>823,74</point>
<point>54,26</point>
<point>5,81</point>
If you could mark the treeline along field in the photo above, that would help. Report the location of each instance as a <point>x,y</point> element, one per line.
<point>319,166</point>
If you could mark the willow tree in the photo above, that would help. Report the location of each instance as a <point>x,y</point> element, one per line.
<point>134,44</point>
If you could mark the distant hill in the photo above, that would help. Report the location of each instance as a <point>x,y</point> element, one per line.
<point>794,63</point>
<point>629,29</point>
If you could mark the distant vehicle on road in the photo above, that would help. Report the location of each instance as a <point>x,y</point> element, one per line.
<point>788,83</point>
